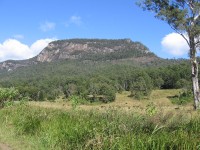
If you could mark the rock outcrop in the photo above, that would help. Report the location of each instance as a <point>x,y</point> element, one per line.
<point>87,49</point>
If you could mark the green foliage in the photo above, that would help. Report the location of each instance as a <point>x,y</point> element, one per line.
<point>151,109</point>
<point>141,85</point>
<point>77,100</point>
<point>183,84</point>
<point>113,129</point>
<point>23,101</point>
<point>93,80</point>
<point>74,101</point>
<point>167,77</point>
<point>7,95</point>
<point>101,89</point>
<point>158,82</point>
<point>183,98</point>
<point>182,16</point>
<point>27,123</point>
<point>9,103</point>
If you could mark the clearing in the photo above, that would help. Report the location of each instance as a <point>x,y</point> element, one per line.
<point>124,102</point>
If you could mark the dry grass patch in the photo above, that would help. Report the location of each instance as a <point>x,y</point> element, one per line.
<point>124,102</point>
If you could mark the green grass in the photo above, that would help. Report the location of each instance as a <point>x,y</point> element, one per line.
<point>183,98</point>
<point>42,128</point>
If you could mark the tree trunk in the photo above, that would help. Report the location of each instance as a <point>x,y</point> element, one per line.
<point>195,81</point>
<point>195,84</point>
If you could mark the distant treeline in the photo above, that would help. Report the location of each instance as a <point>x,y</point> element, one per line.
<point>94,81</point>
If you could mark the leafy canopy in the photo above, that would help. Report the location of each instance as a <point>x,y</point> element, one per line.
<point>182,15</point>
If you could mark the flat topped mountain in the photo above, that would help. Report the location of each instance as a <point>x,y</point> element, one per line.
<point>93,49</point>
<point>87,49</point>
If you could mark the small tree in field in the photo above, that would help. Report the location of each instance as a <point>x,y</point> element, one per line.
<point>184,17</point>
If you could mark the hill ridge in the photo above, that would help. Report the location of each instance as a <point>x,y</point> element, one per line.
<point>87,49</point>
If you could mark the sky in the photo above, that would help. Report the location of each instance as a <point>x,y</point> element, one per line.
<point>27,26</point>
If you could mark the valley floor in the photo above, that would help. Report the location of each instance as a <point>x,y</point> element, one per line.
<point>126,123</point>
<point>160,98</point>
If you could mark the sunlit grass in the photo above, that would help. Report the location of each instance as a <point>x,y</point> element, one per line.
<point>126,123</point>
<point>42,128</point>
<point>159,97</point>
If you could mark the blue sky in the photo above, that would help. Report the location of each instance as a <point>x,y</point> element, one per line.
<point>27,26</point>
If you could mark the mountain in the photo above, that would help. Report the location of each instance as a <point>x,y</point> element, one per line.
<point>86,67</point>
<point>87,50</point>
<point>93,49</point>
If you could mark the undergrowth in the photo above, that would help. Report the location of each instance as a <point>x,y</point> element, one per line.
<point>112,129</point>
<point>182,98</point>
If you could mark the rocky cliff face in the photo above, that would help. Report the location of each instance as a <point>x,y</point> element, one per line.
<point>86,49</point>
<point>10,65</point>
<point>61,50</point>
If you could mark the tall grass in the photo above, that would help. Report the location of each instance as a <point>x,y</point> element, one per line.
<point>112,129</point>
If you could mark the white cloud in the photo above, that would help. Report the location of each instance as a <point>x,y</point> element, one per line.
<point>74,20</point>
<point>175,45</point>
<point>12,48</point>
<point>47,26</point>
<point>15,50</point>
<point>39,45</point>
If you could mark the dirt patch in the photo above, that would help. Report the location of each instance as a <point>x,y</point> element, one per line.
<point>4,147</point>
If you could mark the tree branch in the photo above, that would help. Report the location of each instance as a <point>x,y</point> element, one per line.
<point>189,4</point>
<point>197,43</point>
<point>187,40</point>
<point>197,17</point>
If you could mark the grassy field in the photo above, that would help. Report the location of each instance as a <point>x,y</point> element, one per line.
<point>123,124</point>
<point>123,102</point>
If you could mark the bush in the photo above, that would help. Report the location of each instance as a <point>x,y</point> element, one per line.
<point>183,98</point>
<point>101,91</point>
<point>151,109</point>
<point>7,95</point>
<point>77,100</point>
<point>183,83</point>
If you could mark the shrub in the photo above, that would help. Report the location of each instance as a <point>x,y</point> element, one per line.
<point>151,109</point>
<point>102,92</point>
<point>183,98</point>
<point>7,94</point>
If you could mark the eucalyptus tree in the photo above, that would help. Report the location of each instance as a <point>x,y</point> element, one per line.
<point>183,16</point>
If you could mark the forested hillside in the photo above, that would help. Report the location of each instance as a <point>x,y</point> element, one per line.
<point>94,70</point>
<point>94,80</point>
